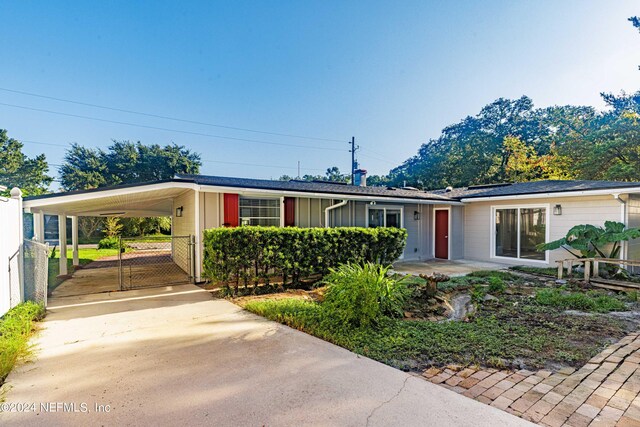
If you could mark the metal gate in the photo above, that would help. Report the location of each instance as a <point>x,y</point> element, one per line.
<point>155,261</point>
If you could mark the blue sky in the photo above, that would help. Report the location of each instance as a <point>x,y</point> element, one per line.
<point>392,74</point>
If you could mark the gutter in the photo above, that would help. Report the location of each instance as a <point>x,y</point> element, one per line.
<point>330,208</point>
<point>623,219</point>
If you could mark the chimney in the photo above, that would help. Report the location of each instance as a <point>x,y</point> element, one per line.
<point>360,177</point>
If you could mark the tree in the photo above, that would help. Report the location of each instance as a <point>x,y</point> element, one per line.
<point>18,170</point>
<point>471,151</point>
<point>88,226</point>
<point>332,174</point>
<point>378,180</point>
<point>112,227</point>
<point>83,168</point>
<point>524,164</point>
<point>125,162</point>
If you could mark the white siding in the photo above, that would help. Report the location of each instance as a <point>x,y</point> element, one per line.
<point>575,210</point>
<point>184,225</point>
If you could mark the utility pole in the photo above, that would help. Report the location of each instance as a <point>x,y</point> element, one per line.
<point>354,165</point>
<point>298,169</point>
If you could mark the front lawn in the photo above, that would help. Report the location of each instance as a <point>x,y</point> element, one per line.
<point>523,324</point>
<point>85,257</point>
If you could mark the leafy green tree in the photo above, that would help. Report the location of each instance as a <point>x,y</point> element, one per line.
<point>524,164</point>
<point>332,174</point>
<point>83,168</point>
<point>112,227</point>
<point>18,170</point>
<point>125,162</point>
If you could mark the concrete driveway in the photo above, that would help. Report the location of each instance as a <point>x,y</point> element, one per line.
<point>175,356</point>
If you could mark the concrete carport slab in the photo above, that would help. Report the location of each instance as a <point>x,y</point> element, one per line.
<point>175,356</point>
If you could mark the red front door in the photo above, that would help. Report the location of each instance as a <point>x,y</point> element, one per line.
<point>442,234</point>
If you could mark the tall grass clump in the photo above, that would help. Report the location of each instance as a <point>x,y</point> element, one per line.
<point>16,327</point>
<point>361,294</point>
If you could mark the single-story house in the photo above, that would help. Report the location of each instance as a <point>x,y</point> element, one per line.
<point>500,223</point>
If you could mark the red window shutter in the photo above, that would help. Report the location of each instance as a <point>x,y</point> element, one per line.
<point>231,210</point>
<point>289,212</point>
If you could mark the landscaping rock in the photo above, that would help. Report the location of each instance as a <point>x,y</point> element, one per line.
<point>489,297</point>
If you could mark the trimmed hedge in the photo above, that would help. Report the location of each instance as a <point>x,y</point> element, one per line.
<point>251,255</point>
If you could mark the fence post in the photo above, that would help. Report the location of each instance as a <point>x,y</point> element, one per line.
<point>120,262</point>
<point>560,269</point>
<point>596,268</point>
<point>587,271</point>
<point>46,273</point>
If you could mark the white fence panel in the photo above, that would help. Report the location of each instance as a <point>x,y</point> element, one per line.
<point>11,290</point>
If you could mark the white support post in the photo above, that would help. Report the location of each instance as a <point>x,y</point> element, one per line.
<point>38,226</point>
<point>74,240</point>
<point>62,238</point>
<point>282,211</point>
<point>198,238</point>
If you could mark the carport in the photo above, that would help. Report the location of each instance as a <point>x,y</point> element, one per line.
<point>149,262</point>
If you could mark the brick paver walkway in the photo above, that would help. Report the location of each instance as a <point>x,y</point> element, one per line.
<point>604,392</point>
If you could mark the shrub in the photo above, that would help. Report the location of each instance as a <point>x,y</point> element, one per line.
<point>478,292</point>
<point>255,254</point>
<point>361,294</point>
<point>589,301</point>
<point>109,243</point>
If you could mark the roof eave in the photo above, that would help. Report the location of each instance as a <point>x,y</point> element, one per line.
<point>558,194</point>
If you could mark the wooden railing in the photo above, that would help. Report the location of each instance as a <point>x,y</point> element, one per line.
<point>588,263</point>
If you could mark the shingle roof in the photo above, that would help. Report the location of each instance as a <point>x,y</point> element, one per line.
<point>314,187</point>
<point>534,187</point>
<point>492,190</point>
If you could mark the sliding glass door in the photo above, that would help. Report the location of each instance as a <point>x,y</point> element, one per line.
<point>518,231</point>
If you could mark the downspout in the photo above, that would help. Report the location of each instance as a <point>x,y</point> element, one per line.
<point>330,208</point>
<point>623,220</point>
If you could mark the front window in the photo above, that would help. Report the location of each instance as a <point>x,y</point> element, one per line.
<point>385,217</point>
<point>254,211</point>
<point>518,231</point>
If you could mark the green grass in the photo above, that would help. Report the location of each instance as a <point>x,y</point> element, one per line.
<point>502,336</point>
<point>85,257</point>
<point>591,301</point>
<point>16,327</point>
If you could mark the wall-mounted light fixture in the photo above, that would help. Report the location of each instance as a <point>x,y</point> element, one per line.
<point>416,215</point>
<point>372,203</point>
<point>179,211</point>
<point>557,210</point>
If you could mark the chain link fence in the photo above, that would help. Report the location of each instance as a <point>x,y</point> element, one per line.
<point>36,271</point>
<point>155,261</point>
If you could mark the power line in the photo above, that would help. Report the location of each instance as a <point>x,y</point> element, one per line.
<point>158,116</point>
<point>208,135</point>
<point>203,160</point>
